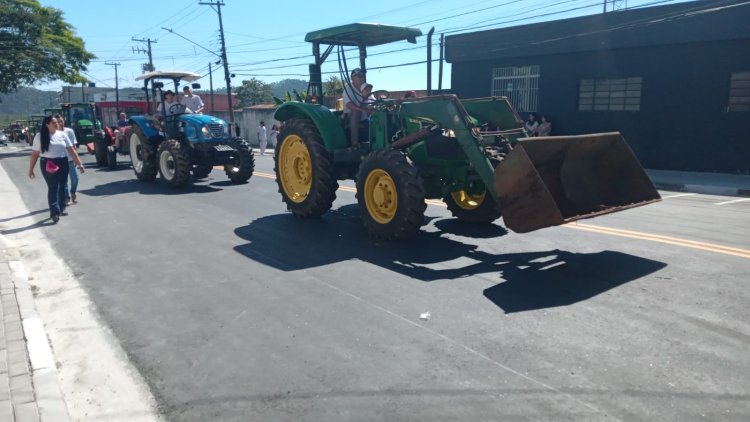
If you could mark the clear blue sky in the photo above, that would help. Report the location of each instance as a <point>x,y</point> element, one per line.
<point>267,42</point>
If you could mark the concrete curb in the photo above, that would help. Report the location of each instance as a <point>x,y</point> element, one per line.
<point>48,395</point>
<point>702,189</point>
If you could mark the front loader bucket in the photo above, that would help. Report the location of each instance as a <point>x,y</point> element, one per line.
<point>548,181</point>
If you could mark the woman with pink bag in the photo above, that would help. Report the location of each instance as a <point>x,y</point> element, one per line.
<point>51,145</point>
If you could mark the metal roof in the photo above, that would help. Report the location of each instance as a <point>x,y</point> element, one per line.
<point>366,34</point>
<point>180,74</point>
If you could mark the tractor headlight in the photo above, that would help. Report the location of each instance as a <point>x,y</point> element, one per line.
<point>206,133</point>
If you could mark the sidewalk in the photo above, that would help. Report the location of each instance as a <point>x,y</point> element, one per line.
<point>29,387</point>
<point>705,183</point>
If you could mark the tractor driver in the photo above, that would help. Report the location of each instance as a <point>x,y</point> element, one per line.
<point>355,97</point>
<point>169,101</point>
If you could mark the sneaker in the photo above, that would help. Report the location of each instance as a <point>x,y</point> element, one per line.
<point>74,197</point>
<point>64,213</point>
<point>55,218</point>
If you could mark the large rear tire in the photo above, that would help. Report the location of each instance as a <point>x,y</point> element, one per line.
<point>142,156</point>
<point>174,164</point>
<point>100,150</point>
<point>244,162</point>
<point>391,195</point>
<point>304,169</point>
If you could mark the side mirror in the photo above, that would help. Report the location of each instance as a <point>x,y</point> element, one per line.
<point>196,86</point>
<point>158,85</point>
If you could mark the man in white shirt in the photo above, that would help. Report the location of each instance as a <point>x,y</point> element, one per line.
<point>192,101</point>
<point>262,137</point>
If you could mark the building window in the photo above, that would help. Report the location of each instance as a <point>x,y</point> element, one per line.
<point>739,92</point>
<point>622,94</point>
<point>520,84</point>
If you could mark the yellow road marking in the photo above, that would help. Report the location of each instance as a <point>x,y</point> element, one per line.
<point>712,247</point>
<point>694,244</point>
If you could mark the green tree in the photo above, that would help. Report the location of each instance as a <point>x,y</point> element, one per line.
<point>287,85</point>
<point>254,92</point>
<point>37,45</point>
<point>332,86</point>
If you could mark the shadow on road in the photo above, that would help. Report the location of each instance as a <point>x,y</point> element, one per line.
<point>28,214</point>
<point>533,280</point>
<point>147,188</point>
<point>40,223</point>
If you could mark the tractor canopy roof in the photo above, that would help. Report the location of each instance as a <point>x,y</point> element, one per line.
<point>169,74</point>
<point>365,34</point>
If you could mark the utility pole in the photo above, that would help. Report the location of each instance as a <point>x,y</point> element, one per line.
<point>150,58</point>
<point>117,87</point>
<point>211,86</point>
<point>227,77</point>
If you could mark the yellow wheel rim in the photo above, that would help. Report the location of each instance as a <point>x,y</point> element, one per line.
<point>381,197</point>
<point>295,168</point>
<point>467,201</point>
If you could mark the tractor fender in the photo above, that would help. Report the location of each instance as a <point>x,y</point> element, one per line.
<point>146,125</point>
<point>327,123</point>
<point>109,135</point>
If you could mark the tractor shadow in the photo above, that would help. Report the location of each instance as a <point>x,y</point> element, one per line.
<point>532,280</point>
<point>120,187</point>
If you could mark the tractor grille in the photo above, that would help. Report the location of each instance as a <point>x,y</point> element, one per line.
<point>217,130</point>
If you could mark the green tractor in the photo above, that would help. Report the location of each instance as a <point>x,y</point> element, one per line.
<point>83,119</point>
<point>474,154</point>
<point>35,125</point>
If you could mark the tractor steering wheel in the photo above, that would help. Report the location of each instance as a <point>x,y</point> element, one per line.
<point>179,109</point>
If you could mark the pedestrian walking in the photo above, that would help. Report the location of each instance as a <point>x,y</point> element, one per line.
<point>70,194</point>
<point>262,137</point>
<point>49,147</point>
<point>274,136</point>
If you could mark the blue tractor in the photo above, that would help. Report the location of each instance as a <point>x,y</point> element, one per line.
<point>175,142</point>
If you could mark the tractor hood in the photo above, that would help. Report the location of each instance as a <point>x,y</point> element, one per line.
<point>200,119</point>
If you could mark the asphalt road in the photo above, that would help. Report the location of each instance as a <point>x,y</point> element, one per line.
<point>234,310</point>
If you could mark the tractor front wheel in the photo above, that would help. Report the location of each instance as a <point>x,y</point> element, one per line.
<point>477,208</point>
<point>142,156</point>
<point>304,169</point>
<point>244,162</point>
<point>174,163</point>
<point>391,195</point>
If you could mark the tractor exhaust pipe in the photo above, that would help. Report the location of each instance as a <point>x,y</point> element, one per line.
<point>429,61</point>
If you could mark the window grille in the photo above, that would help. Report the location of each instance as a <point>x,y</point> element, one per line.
<point>520,84</point>
<point>622,94</point>
<point>739,92</point>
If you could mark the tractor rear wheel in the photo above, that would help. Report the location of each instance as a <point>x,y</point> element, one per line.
<point>304,169</point>
<point>100,150</point>
<point>142,156</point>
<point>477,208</point>
<point>244,162</point>
<point>391,195</point>
<point>201,171</point>
<point>174,163</point>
